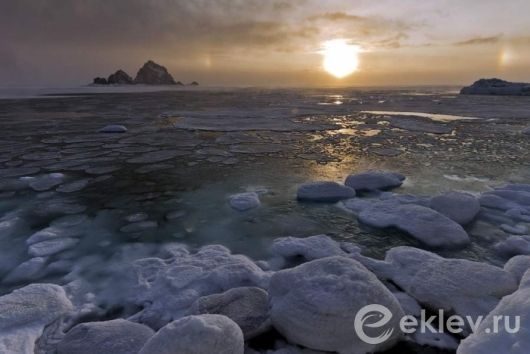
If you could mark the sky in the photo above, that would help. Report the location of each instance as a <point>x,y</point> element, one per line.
<point>264,42</point>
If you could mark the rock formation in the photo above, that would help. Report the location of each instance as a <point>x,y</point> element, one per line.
<point>100,81</point>
<point>150,73</point>
<point>120,77</point>
<point>496,87</point>
<point>154,74</point>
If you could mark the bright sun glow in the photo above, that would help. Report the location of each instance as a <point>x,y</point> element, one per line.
<point>340,58</point>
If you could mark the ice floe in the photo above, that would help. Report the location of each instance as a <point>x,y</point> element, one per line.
<point>199,334</point>
<point>513,246</point>
<point>424,224</point>
<point>487,340</point>
<point>113,128</point>
<point>244,201</point>
<point>458,286</point>
<point>374,180</point>
<point>457,206</point>
<point>324,191</point>
<point>46,182</point>
<point>248,307</point>
<point>517,266</point>
<point>315,305</point>
<point>25,314</point>
<point>116,336</point>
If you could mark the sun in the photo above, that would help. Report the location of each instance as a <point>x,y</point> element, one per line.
<point>340,58</point>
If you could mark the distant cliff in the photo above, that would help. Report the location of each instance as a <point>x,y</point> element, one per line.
<point>496,87</point>
<point>150,73</point>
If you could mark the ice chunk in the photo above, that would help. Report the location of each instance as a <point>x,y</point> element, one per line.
<point>517,266</point>
<point>325,191</point>
<point>244,201</point>
<point>25,313</point>
<point>513,246</point>
<point>197,335</point>
<point>115,336</point>
<point>455,285</point>
<point>113,128</point>
<point>424,224</point>
<point>46,182</point>
<point>26,271</point>
<point>457,206</point>
<point>246,306</point>
<point>374,180</point>
<point>487,341</point>
<point>73,186</point>
<point>48,248</point>
<point>316,303</point>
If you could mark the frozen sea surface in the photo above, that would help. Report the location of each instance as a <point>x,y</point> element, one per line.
<point>186,152</point>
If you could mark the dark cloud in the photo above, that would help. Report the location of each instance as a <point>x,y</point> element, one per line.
<point>479,41</point>
<point>138,22</point>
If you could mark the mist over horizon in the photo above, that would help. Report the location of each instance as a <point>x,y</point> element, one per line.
<point>264,43</point>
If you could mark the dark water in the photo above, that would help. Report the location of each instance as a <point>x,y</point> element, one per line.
<point>188,151</point>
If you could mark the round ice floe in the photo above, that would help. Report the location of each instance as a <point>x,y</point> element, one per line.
<point>73,186</point>
<point>517,266</point>
<point>521,197</point>
<point>374,180</point>
<point>496,202</point>
<point>244,201</point>
<point>515,187</point>
<point>512,307</point>
<point>113,128</point>
<point>457,206</point>
<point>526,131</point>
<point>516,229</point>
<point>424,224</point>
<point>26,311</point>
<point>324,191</point>
<point>51,247</point>
<point>69,220</point>
<point>316,303</point>
<point>309,248</point>
<point>46,182</point>
<point>26,271</point>
<point>519,214</point>
<point>197,335</point>
<point>246,306</point>
<point>455,285</point>
<point>52,233</point>
<point>116,337</point>
<point>513,246</point>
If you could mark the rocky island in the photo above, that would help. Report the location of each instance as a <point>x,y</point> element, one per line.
<point>150,73</point>
<point>497,87</point>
